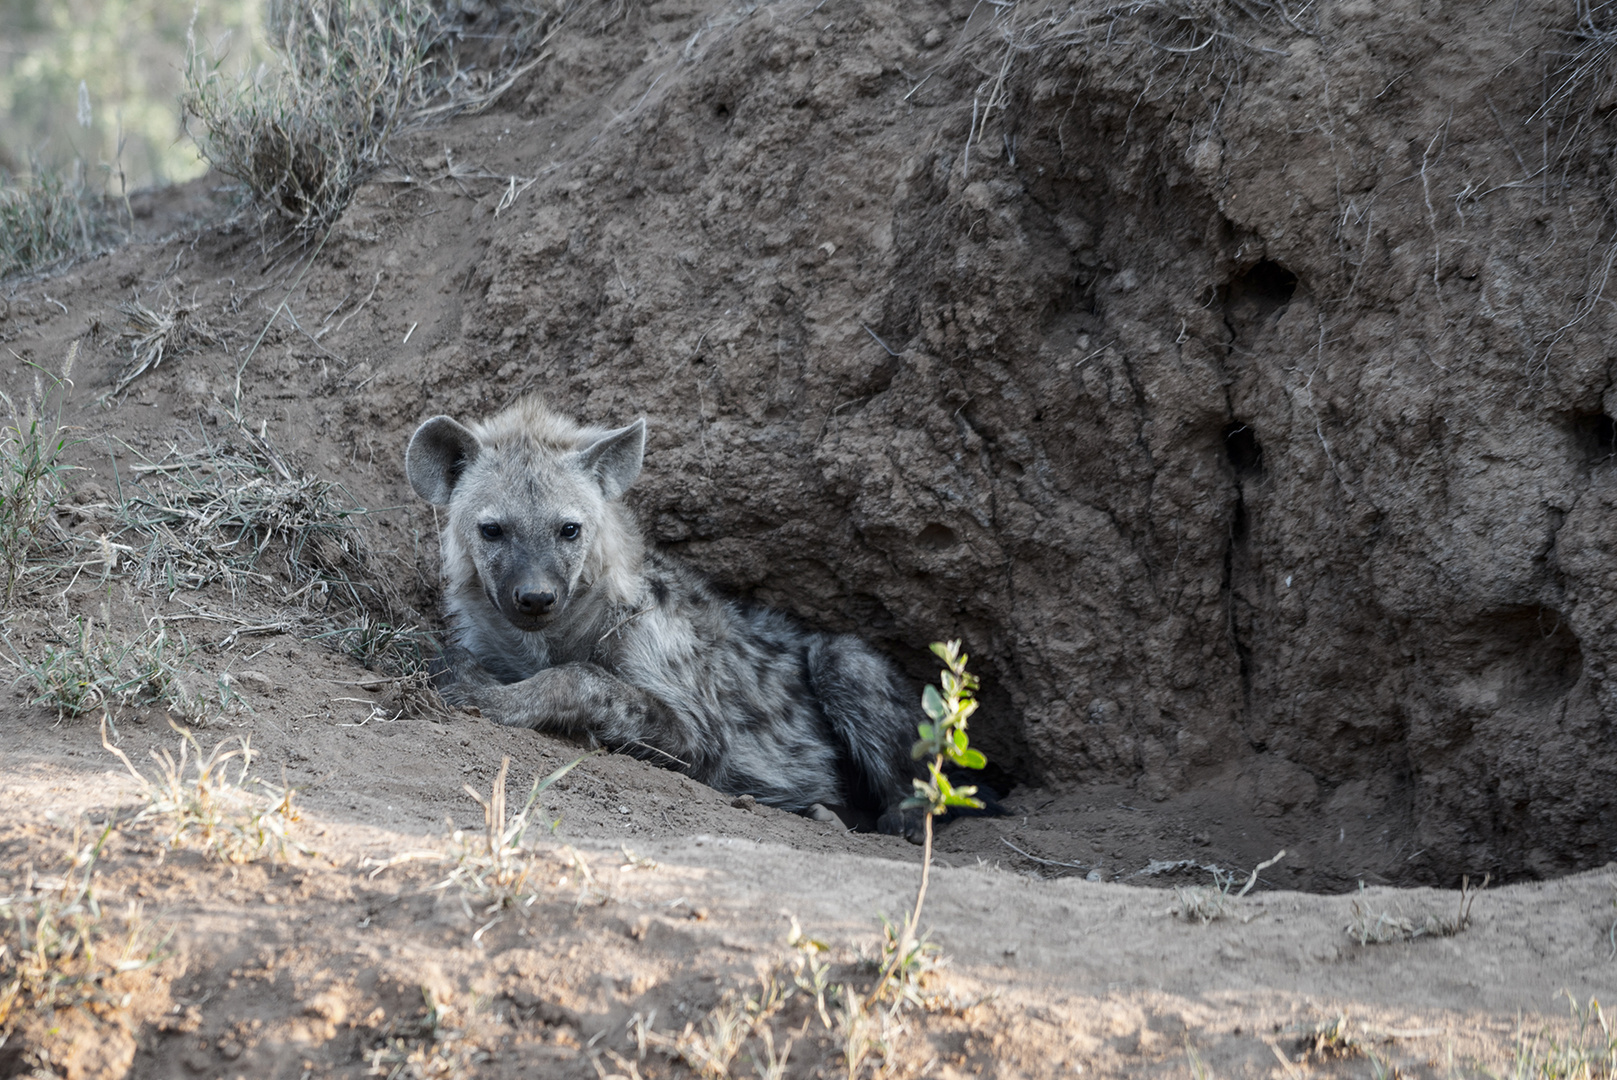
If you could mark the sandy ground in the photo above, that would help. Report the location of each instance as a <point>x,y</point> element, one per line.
<point>319,963</point>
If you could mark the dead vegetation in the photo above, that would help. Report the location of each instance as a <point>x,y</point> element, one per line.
<point>194,799</point>
<point>1207,903</point>
<point>60,950</point>
<point>155,335</point>
<point>1378,927</point>
<point>351,75</point>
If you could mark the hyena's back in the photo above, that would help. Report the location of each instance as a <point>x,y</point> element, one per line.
<point>759,705</point>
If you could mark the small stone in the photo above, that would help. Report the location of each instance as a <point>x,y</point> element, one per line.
<point>933,38</point>
<point>745,802</point>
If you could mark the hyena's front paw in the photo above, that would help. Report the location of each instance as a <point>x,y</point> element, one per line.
<point>910,824</point>
<point>462,682</point>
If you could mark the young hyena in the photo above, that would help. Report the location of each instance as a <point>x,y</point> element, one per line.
<point>560,618</point>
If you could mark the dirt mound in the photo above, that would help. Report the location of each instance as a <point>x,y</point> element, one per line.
<point>1242,408</point>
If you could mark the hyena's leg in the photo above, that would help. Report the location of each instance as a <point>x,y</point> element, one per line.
<point>577,699</point>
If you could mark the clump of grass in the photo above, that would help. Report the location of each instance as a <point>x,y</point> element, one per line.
<point>1206,903</point>
<point>95,671</point>
<point>399,651</point>
<point>304,138</point>
<point>1590,1053</point>
<point>58,948</point>
<point>156,335</point>
<point>193,798</point>
<point>1371,927</point>
<point>33,447</point>
<point>210,515</point>
<point>496,872</point>
<point>47,218</point>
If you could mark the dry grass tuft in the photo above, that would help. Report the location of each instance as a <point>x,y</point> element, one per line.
<point>496,870</point>
<point>154,336</point>
<point>1206,903</point>
<point>194,799</point>
<point>1370,927</point>
<point>47,218</point>
<point>217,514</point>
<point>33,466</point>
<point>59,949</point>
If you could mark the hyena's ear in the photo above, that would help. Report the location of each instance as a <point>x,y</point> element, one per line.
<point>614,459</point>
<point>439,452</point>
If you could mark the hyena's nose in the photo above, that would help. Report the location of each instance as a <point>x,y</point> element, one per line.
<point>534,601</point>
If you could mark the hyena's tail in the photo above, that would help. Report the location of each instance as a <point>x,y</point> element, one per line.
<point>872,713</point>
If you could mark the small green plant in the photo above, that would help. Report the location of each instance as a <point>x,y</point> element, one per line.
<point>943,739</point>
<point>33,448</point>
<point>194,799</point>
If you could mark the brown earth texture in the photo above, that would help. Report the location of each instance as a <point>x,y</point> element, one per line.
<point>1233,378</point>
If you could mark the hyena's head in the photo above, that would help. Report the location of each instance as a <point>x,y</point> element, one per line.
<point>533,513</point>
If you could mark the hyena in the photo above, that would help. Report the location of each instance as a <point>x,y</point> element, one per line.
<point>561,618</point>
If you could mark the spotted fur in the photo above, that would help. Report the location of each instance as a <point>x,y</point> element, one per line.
<point>560,618</point>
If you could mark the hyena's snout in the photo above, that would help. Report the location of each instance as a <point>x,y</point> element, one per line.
<point>532,601</point>
<point>528,593</point>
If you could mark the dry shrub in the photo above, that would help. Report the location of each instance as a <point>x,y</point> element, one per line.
<point>353,73</point>
<point>304,138</point>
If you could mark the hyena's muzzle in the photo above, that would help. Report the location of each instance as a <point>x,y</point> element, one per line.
<point>527,586</point>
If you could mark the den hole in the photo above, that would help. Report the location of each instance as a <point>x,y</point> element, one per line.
<point>1259,293</point>
<point>1243,450</point>
<point>936,537</point>
<point>1597,436</point>
<point>721,111</point>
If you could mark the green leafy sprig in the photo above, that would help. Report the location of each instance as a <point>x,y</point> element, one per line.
<point>944,739</point>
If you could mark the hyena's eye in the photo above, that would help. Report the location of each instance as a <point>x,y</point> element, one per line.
<point>491,530</point>
<point>569,531</point>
